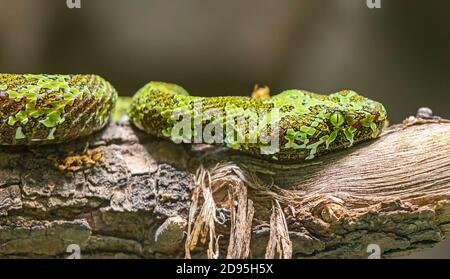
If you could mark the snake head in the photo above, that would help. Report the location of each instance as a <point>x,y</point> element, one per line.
<point>358,118</point>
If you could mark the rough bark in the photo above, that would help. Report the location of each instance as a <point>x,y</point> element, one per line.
<point>121,193</point>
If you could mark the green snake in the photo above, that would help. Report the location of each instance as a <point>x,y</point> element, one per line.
<point>45,109</point>
<point>307,124</point>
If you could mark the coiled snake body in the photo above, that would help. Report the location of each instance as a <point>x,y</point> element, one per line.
<point>44,109</point>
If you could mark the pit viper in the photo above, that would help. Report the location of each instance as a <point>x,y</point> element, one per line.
<point>302,124</point>
<point>47,109</point>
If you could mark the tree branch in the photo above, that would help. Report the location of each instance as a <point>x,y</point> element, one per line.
<point>121,193</point>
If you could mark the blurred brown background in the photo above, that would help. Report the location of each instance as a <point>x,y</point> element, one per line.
<point>399,54</point>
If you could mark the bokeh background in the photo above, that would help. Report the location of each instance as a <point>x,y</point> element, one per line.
<point>399,54</point>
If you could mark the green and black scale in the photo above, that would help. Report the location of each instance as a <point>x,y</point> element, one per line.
<point>42,109</point>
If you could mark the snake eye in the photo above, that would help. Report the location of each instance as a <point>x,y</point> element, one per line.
<point>337,119</point>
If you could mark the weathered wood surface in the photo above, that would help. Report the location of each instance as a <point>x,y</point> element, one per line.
<point>122,194</point>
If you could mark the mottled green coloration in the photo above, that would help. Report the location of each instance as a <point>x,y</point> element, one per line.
<point>309,124</point>
<point>44,109</point>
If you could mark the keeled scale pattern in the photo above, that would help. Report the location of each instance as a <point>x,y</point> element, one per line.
<point>44,109</point>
